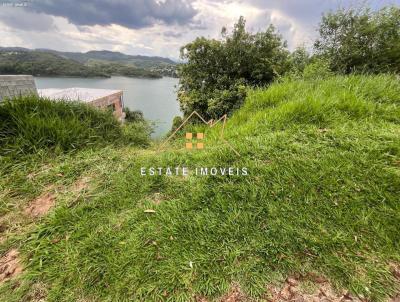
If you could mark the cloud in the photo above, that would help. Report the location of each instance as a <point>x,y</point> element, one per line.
<point>155,27</point>
<point>172,34</point>
<point>293,30</point>
<point>19,18</point>
<point>298,20</point>
<point>128,13</point>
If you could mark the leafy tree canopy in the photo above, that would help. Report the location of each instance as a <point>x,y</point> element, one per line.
<point>361,40</point>
<point>213,80</point>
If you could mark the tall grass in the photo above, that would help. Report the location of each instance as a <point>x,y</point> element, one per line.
<point>30,123</point>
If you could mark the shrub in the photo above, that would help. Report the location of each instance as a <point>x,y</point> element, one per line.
<point>319,69</point>
<point>137,133</point>
<point>299,59</point>
<point>227,100</point>
<point>132,116</point>
<point>176,122</point>
<point>30,123</point>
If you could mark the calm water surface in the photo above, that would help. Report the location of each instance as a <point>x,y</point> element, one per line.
<point>155,98</point>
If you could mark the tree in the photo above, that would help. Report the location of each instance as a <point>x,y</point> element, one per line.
<point>361,40</point>
<point>213,79</point>
<point>299,59</point>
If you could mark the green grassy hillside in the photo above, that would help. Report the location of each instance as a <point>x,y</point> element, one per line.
<point>321,198</point>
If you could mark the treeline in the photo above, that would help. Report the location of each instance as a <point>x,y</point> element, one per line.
<point>123,70</point>
<point>214,79</point>
<point>45,63</point>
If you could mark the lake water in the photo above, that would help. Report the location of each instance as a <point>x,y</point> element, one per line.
<point>156,98</point>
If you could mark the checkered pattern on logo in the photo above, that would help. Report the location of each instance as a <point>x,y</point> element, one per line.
<point>190,141</point>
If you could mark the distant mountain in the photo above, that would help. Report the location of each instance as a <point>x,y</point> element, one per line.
<point>91,62</point>
<point>106,55</point>
<point>20,61</point>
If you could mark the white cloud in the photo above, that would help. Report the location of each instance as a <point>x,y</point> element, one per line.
<point>295,20</point>
<point>19,18</point>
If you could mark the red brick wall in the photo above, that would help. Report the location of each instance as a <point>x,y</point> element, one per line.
<point>115,99</point>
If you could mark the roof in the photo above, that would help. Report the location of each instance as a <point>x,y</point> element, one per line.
<point>86,95</point>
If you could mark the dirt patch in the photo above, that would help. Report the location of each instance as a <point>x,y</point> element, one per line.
<point>9,265</point>
<point>395,299</point>
<point>157,198</point>
<point>76,188</point>
<point>153,198</point>
<point>11,223</point>
<point>3,229</point>
<point>43,169</point>
<point>80,185</point>
<point>234,295</point>
<point>395,269</point>
<point>37,293</point>
<point>294,290</point>
<point>41,205</point>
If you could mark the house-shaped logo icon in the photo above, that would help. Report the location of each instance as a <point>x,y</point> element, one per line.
<point>197,141</point>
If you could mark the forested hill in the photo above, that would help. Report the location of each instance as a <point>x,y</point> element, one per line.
<point>105,55</point>
<point>45,62</point>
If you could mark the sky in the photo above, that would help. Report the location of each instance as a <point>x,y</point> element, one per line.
<point>155,27</point>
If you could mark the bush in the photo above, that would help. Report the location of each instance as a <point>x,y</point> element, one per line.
<point>30,123</point>
<point>319,69</point>
<point>176,122</point>
<point>299,59</point>
<point>226,100</point>
<point>132,116</point>
<point>137,133</point>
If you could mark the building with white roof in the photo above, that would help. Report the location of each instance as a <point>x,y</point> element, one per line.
<point>100,98</point>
